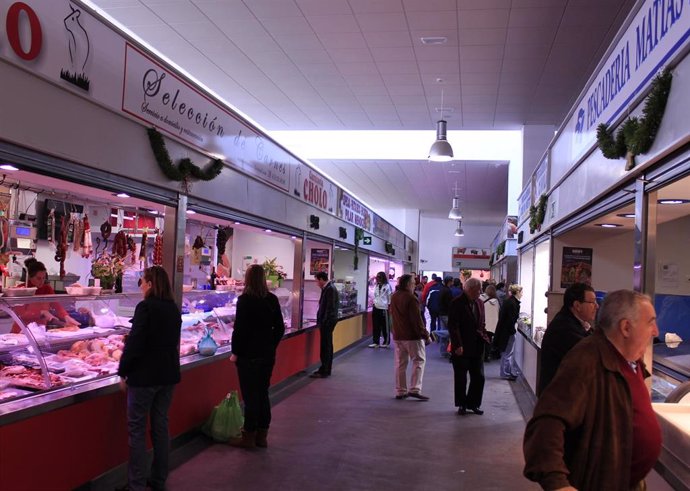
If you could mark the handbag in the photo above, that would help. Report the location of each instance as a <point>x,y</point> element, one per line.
<point>226,420</point>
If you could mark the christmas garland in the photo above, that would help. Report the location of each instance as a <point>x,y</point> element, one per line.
<point>636,135</point>
<point>359,234</point>
<point>537,213</point>
<point>185,168</point>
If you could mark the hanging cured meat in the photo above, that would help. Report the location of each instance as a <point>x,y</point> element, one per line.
<point>87,246</point>
<point>142,249</point>
<point>221,240</point>
<point>120,244</point>
<point>78,234</point>
<point>158,250</point>
<point>61,249</point>
<point>132,247</point>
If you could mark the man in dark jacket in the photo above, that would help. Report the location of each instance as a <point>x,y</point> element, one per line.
<point>326,319</point>
<point>571,324</point>
<point>593,426</point>
<point>433,302</point>
<point>467,339</point>
<point>445,296</point>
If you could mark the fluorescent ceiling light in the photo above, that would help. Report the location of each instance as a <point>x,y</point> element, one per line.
<point>8,167</point>
<point>673,201</point>
<point>608,225</point>
<point>626,215</point>
<point>122,195</point>
<point>191,212</point>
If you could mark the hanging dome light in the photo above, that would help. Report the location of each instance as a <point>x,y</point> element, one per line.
<point>454,213</point>
<point>441,151</point>
<point>459,232</point>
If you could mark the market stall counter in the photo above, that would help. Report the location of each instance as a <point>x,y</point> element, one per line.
<point>61,383</point>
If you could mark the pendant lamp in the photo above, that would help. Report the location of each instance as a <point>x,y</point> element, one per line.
<point>441,151</point>
<point>459,232</point>
<point>454,213</point>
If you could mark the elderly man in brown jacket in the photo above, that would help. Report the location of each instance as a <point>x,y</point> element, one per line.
<point>594,427</point>
<point>410,337</point>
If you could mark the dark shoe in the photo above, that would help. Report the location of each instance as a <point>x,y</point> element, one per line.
<point>318,374</point>
<point>417,395</point>
<point>247,440</point>
<point>401,396</point>
<point>154,487</point>
<point>462,411</point>
<point>262,438</point>
<point>476,410</point>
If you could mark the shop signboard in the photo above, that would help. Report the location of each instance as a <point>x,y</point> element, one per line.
<point>524,202</point>
<point>311,187</point>
<point>461,255</point>
<point>388,232</point>
<point>576,266</point>
<point>354,212</point>
<point>658,32</point>
<point>319,261</point>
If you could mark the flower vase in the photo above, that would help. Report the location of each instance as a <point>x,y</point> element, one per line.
<point>275,280</point>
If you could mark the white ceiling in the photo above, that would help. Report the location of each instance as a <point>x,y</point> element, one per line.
<point>360,64</point>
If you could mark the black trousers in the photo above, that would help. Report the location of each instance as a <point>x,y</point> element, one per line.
<point>326,348</point>
<point>474,365</point>
<point>255,379</point>
<point>379,319</point>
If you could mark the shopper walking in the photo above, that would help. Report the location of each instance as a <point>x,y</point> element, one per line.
<point>504,339</point>
<point>149,369</point>
<point>379,314</point>
<point>467,340</point>
<point>491,313</point>
<point>258,329</point>
<point>410,337</point>
<point>326,319</point>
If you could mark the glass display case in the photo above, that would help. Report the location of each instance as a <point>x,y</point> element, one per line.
<point>38,356</point>
<point>347,291</point>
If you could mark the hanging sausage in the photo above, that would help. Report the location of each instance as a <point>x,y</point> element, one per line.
<point>158,250</point>
<point>120,244</point>
<point>87,246</point>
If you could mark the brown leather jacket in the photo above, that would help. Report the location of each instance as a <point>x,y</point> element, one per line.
<point>581,431</point>
<point>407,322</point>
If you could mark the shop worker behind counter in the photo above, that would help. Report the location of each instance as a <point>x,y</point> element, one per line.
<point>326,319</point>
<point>571,324</point>
<point>593,427</point>
<point>150,367</point>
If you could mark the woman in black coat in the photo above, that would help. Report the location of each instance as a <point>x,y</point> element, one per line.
<point>258,329</point>
<point>150,368</point>
<point>504,338</point>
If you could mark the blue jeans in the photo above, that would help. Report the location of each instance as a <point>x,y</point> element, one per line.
<point>255,379</point>
<point>143,402</point>
<point>508,367</point>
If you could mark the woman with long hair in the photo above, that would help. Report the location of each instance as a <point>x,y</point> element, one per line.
<point>150,368</point>
<point>258,329</point>
<point>379,315</point>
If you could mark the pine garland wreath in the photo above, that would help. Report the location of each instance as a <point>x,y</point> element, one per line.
<point>359,235</point>
<point>636,135</point>
<point>537,213</point>
<point>185,168</point>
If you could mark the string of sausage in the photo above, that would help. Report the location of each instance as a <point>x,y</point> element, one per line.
<point>61,250</point>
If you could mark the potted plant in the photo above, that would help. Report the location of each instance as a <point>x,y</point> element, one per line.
<point>274,271</point>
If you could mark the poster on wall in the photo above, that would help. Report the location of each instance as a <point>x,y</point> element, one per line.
<point>319,260</point>
<point>576,266</point>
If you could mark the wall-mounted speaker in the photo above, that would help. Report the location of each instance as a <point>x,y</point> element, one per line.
<point>314,222</point>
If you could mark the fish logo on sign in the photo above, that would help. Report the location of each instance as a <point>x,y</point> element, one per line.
<point>580,125</point>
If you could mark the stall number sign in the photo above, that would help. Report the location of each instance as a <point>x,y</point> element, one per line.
<point>366,240</point>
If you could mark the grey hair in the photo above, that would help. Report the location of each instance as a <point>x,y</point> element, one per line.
<point>619,305</point>
<point>473,283</point>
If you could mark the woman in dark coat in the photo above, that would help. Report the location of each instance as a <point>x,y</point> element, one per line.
<point>150,368</point>
<point>504,338</point>
<point>258,329</point>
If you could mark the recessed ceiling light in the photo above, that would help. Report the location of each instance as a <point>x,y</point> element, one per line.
<point>122,195</point>
<point>8,167</point>
<point>433,40</point>
<point>293,237</point>
<point>268,230</point>
<point>191,212</point>
<point>444,110</point>
<point>608,225</point>
<point>673,201</point>
<point>626,215</point>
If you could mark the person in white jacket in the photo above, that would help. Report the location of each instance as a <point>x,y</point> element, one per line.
<point>382,298</point>
<point>491,310</point>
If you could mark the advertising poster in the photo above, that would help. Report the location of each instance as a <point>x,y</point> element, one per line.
<point>319,261</point>
<point>576,266</point>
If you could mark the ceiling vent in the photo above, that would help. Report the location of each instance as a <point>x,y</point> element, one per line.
<point>434,40</point>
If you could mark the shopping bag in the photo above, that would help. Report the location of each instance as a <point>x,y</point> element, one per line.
<point>226,420</point>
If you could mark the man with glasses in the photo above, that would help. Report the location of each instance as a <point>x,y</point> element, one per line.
<point>571,324</point>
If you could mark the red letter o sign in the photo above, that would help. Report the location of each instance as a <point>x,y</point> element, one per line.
<point>12,26</point>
